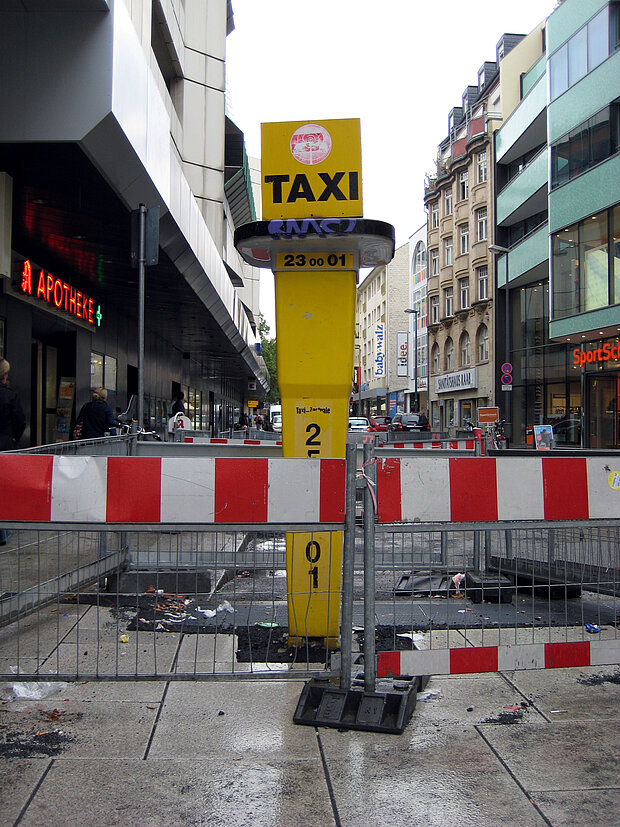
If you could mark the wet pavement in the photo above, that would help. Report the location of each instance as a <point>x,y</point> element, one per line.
<point>526,748</point>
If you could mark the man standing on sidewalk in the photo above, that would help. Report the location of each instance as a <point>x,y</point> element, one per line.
<point>12,419</point>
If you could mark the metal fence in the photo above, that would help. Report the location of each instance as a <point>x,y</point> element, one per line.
<point>168,601</point>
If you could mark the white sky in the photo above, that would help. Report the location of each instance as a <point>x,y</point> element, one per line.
<point>398,65</point>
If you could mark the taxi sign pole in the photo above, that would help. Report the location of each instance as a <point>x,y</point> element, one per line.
<point>315,240</point>
<point>315,314</point>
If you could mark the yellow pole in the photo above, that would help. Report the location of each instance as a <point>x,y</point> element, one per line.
<point>315,313</point>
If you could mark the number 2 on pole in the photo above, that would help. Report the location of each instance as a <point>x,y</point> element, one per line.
<point>314,444</point>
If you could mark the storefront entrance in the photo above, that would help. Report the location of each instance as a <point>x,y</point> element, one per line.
<point>604,416</point>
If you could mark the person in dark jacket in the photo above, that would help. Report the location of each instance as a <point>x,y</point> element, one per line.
<point>12,419</point>
<point>178,406</point>
<point>96,416</point>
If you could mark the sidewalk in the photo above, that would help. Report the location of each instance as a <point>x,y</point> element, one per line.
<point>227,753</point>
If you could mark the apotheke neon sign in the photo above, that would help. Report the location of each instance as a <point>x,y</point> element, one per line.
<point>58,293</point>
<point>599,354</point>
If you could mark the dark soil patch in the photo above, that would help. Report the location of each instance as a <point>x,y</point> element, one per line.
<point>387,640</point>
<point>597,680</point>
<point>256,645</point>
<point>20,745</point>
<point>506,717</point>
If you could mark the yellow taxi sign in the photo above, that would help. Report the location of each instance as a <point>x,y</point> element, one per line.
<point>311,169</point>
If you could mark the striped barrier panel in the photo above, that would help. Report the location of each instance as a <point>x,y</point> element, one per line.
<point>498,658</point>
<point>44,488</point>
<point>452,444</point>
<point>205,440</point>
<point>487,489</point>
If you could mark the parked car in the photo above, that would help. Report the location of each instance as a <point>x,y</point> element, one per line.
<point>409,422</point>
<point>276,421</point>
<point>379,423</point>
<point>358,423</point>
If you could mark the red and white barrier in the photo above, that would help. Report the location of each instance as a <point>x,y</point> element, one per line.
<point>498,658</point>
<point>486,489</point>
<point>451,444</point>
<point>205,440</point>
<point>202,490</point>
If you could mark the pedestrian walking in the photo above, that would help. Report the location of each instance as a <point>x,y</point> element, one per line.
<point>95,418</point>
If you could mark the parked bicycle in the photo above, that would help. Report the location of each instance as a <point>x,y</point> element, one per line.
<point>496,435</point>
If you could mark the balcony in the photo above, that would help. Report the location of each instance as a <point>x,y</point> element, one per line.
<point>526,194</point>
<point>528,260</point>
<point>526,128</point>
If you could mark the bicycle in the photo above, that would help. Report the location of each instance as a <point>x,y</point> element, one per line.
<point>496,436</point>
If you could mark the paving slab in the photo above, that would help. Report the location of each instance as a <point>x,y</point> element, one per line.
<point>577,693</point>
<point>106,729</point>
<point>576,808</point>
<point>572,755</point>
<point>18,780</point>
<point>424,777</point>
<point>218,718</point>
<point>261,791</point>
<point>485,695</point>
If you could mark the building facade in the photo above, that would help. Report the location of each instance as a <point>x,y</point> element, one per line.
<point>107,105</point>
<point>416,396</point>
<point>461,296</point>
<point>558,225</point>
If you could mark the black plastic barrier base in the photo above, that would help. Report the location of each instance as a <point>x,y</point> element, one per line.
<point>492,588</point>
<point>389,711</point>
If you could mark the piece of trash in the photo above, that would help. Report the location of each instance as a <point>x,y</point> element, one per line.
<point>34,690</point>
<point>430,695</point>
<point>150,707</point>
<point>124,638</point>
<point>470,709</point>
<point>512,707</point>
<point>457,579</point>
<point>557,711</point>
<point>411,636</point>
<point>267,624</point>
<point>592,628</point>
<point>206,612</point>
<point>462,611</point>
<point>221,712</point>
<point>225,607</point>
<point>54,715</point>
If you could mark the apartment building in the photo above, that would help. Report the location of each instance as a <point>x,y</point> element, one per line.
<point>381,322</point>
<point>416,396</point>
<point>558,226</point>
<point>461,295</point>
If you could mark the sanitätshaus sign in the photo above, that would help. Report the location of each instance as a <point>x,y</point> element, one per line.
<point>460,381</point>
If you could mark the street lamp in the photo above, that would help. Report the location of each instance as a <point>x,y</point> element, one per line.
<point>416,313</point>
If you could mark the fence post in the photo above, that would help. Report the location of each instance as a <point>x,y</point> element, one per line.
<point>370,664</point>
<point>348,568</point>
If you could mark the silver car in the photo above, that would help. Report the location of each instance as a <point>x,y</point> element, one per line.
<point>358,423</point>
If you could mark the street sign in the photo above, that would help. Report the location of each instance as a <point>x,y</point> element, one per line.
<point>488,415</point>
<point>506,376</point>
<point>311,169</point>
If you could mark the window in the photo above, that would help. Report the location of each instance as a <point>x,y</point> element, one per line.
<point>448,251</point>
<point>103,372</point>
<point>435,358</point>
<point>449,354</point>
<point>434,216</point>
<point>464,292</point>
<point>448,295</point>
<point>483,343</point>
<point>434,262</point>
<point>482,274</point>
<point>463,185</point>
<point>464,234</point>
<point>585,50</point>
<point>419,257</point>
<point>482,167</point>
<point>465,348</point>
<point>593,259</point>
<point>434,309</point>
<point>2,338</point>
<point>481,223</point>
<point>585,146</point>
<point>448,202</point>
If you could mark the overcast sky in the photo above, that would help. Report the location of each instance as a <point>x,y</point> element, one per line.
<point>398,65</point>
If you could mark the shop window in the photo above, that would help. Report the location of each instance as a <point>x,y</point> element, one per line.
<point>96,370</point>
<point>109,373</point>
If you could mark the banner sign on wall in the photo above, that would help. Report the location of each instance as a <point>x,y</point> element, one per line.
<point>402,354</point>
<point>380,357</point>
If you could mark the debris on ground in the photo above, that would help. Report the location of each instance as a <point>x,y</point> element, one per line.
<point>597,680</point>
